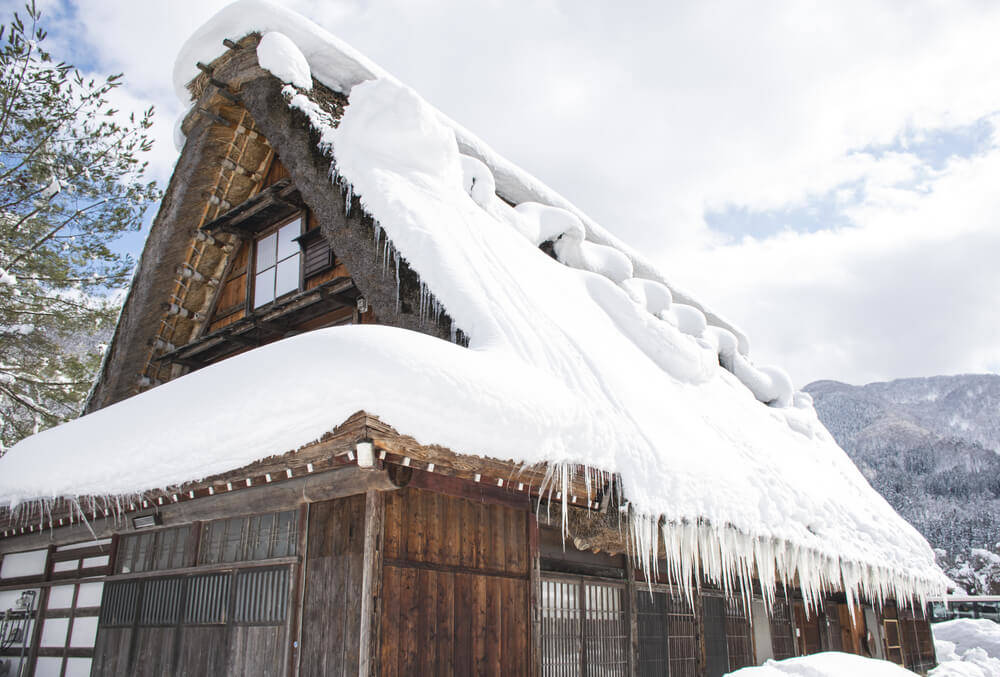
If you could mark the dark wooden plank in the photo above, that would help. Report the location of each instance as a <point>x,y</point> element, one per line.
<point>465,621</point>
<point>389,648</point>
<point>428,641</point>
<point>445,617</point>
<point>111,652</point>
<point>409,608</point>
<point>354,584</point>
<point>477,616</point>
<point>393,524</point>
<point>256,650</point>
<point>203,650</point>
<point>493,623</point>
<point>452,521</point>
<point>437,506</point>
<point>468,525</point>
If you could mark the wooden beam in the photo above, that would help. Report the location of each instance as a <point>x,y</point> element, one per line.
<point>322,486</point>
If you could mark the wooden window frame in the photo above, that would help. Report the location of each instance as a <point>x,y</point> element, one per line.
<point>641,587</point>
<point>581,581</point>
<point>303,218</point>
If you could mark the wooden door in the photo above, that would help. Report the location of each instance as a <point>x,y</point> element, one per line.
<point>331,606</point>
<point>807,631</point>
<point>455,587</point>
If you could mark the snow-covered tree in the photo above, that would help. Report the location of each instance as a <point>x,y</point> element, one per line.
<point>71,181</point>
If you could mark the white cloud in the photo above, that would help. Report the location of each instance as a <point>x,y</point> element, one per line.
<point>648,114</point>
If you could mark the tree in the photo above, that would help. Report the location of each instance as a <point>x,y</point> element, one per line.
<point>71,181</point>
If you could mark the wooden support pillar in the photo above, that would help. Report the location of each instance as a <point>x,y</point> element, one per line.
<point>633,617</point>
<point>535,612</point>
<point>371,584</point>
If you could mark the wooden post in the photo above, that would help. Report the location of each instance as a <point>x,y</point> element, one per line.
<point>297,586</point>
<point>633,617</point>
<point>535,613</point>
<point>371,585</point>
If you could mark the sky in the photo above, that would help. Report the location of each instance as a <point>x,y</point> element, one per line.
<point>825,175</point>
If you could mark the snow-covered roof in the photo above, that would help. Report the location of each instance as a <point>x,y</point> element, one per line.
<point>587,360</point>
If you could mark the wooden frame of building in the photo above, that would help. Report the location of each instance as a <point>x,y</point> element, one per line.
<point>365,552</point>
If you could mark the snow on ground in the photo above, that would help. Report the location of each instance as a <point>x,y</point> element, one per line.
<point>826,664</point>
<point>967,647</point>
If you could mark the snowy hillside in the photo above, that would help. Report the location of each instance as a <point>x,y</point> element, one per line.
<point>931,446</point>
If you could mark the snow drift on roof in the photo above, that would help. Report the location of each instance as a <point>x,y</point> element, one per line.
<point>588,361</point>
<point>340,67</point>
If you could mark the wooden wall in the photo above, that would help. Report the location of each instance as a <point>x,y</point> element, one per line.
<point>455,587</point>
<point>331,609</point>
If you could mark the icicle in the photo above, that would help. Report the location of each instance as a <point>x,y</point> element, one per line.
<point>395,255</point>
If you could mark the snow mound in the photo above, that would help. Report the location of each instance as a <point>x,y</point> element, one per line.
<point>478,181</point>
<point>279,55</point>
<point>826,664</point>
<point>970,633</point>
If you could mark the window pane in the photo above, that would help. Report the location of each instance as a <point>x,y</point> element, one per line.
<point>266,248</point>
<point>286,239</point>
<point>84,631</point>
<point>61,597</point>
<point>78,667</point>
<point>263,288</point>
<point>49,666</point>
<point>54,632</point>
<point>288,276</point>
<point>90,594</point>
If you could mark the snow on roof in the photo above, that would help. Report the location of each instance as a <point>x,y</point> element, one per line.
<point>587,360</point>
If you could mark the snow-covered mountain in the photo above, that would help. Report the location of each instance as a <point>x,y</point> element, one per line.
<point>931,446</point>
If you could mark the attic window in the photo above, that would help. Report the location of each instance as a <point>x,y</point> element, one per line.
<point>277,260</point>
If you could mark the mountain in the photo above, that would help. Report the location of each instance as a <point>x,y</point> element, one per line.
<point>931,447</point>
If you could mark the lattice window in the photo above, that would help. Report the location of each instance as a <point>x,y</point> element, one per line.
<point>668,640</point>
<point>605,630</point>
<point>584,628</point>
<point>917,641</point>
<point>153,550</point>
<point>562,636</point>
<point>261,596</point>
<point>782,637</point>
<point>161,601</point>
<point>207,599</point>
<point>242,539</point>
<point>119,605</point>
<point>256,597</point>
<point>716,645</point>
<point>739,641</point>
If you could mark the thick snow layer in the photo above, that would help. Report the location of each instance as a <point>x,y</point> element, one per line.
<point>279,55</point>
<point>340,67</point>
<point>690,442</point>
<point>826,664</point>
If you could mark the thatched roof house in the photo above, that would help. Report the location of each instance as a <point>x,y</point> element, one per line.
<point>454,334</point>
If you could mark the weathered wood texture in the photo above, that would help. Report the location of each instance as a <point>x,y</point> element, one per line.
<point>331,611</point>
<point>455,587</point>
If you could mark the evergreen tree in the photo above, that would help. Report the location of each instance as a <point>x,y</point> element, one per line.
<point>71,181</point>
